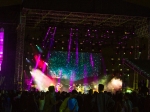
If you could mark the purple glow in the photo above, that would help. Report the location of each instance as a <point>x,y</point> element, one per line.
<point>72,79</point>
<point>37,62</point>
<point>48,31</point>
<point>85,74</point>
<point>77,56</point>
<point>69,47</point>
<point>60,76</point>
<point>91,58</point>
<point>1,45</point>
<point>52,39</point>
<point>44,68</point>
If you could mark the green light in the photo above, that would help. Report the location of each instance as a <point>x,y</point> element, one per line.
<point>40,50</point>
<point>129,91</point>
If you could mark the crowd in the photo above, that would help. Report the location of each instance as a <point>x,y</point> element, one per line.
<point>51,101</point>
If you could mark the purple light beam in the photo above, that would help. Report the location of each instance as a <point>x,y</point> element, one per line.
<point>1,46</point>
<point>69,47</point>
<point>91,59</point>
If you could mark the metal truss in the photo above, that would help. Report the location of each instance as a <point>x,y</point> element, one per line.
<point>149,48</point>
<point>37,17</point>
<point>148,81</point>
<point>19,54</point>
<point>149,40</point>
<point>136,50</point>
<point>136,56</point>
<point>135,68</point>
<point>141,29</point>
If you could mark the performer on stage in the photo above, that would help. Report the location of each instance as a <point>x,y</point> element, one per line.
<point>80,88</point>
<point>58,87</point>
<point>72,87</point>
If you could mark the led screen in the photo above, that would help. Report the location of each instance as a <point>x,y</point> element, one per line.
<point>74,66</point>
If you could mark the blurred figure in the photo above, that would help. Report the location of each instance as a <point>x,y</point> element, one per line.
<point>50,100</point>
<point>101,101</point>
<point>120,103</point>
<point>41,101</point>
<point>87,99</point>
<point>70,104</point>
<point>128,103</point>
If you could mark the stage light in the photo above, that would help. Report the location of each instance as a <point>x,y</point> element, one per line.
<point>27,60</point>
<point>120,69</point>
<point>1,45</point>
<point>112,58</point>
<point>95,86</point>
<point>129,91</point>
<point>46,63</point>
<point>128,75</point>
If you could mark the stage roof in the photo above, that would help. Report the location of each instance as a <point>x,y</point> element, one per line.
<point>39,17</point>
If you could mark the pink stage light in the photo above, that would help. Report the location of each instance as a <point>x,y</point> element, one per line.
<point>41,80</point>
<point>1,45</point>
<point>40,63</point>
<point>114,85</point>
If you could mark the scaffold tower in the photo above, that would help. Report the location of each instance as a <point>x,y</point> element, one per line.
<point>19,53</point>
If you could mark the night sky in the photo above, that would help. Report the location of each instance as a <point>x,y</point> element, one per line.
<point>70,67</point>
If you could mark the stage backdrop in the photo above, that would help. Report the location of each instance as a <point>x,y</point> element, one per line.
<point>74,66</point>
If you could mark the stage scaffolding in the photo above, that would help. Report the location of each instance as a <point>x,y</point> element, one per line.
<point>141,31</point>
<point>18,78</point>
<point>34,18</point>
